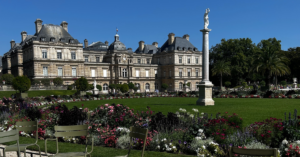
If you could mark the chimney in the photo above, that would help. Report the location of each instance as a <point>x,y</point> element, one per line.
<point>171,38</point>
<point>155,44</point>
<point>23,35</point>
<point>12,43</point>
<point>38,25</point>
<point>141,45</point>
<point>64,25</point>
<point>106,43</point>
<point>187,37</point>
<point>86,43</point>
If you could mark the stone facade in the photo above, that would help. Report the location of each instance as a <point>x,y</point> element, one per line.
<point>52,52</point>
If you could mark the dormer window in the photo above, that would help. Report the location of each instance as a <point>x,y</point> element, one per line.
<point>189,48</point>
<point>183,48</point>
<point>71,41</point>
<point>43,39</point>
<point>52,39</point>
<point>195,49</point>
<point>62,40</point>
<point>178,48</point>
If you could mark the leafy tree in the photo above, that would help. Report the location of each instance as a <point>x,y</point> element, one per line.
<point>112,86</point>
<point>70,87</point>
<point>21,83</point>
<point>221,68</point>
<point>57,81</point>
<point>118,86</point>
<point>45,82</point>
<point>8,78</point>
<point>164,86</point>
<point>81,84</point>
<point>130,85</point>
<point>124,88</point>
<point>268,61</point>
<point>293,54</point>
<point>99,87</point>
<point>90,87</point>
<point>262,83</point>
<point>283,83</point>
<point>244,84</point>
<point>227,83</point>
<point>135,88</point>
<point>35,82</point>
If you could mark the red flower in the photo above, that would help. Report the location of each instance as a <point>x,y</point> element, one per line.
<point>262,135</point>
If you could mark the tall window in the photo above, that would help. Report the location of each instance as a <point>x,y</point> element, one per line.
<point>147,86</point>
<point>189,60</point>
<point>137,73</point>
<point>156,86</point>
<point>73,55</point>
<point>170,60</point>
<point>164,74</point>
<point>73,71</point>
<point>97,59</point>
<point>197,60</point>
<point>58,55</point>
<point>104,73</point>
<point>44,53</point>
<point>59,71</point>
<point>180,72</point>
<point>170,73</point>
<point>180,59</point>
<point>180,85</point>
<point>148,61</point>
<point>197,72</point>
<point>139,61</point>
<point>105,87</point>
<point>189,72</point>
<point>147,73</point>
<point>124,72</point>
<point>45,71</point>
<point>93,72</point>
<point>86,58</point>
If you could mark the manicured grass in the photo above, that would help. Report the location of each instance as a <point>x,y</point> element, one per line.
<point>251,109</point>
<point>39,93</point>
<point>97,152</point>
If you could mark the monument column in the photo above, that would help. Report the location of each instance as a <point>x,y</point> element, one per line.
<point>205,87</point>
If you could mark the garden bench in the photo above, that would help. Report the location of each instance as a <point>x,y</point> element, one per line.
<point>28,126</point>
<point>10,136</point>
<point>252,152</point>
<point>136,132</point>
<point>70,131</point>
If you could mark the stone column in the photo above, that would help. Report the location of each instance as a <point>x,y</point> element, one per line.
<point>205,87</point>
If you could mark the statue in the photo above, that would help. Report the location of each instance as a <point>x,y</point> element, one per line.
<point>95,85</point>
<point>206,22</point>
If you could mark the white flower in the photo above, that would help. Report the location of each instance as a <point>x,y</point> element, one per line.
<point>195,110</point>
<point>73,139</point>
<point>192,116</point>
<point>286,149</point>
<point>177,113</point>
<point>215,150</point>
<point>200,130</point>
<point>284,141</point>
<point>202,113</point>
<point>198,138</point>
<point>298,142</point>
<point>203,147</point>
<point>158,147</point>
<point>174,147</point>
<point>165,139</point>
<point>170,144</point>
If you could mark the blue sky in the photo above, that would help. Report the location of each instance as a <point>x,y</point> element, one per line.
<point>153,20</point>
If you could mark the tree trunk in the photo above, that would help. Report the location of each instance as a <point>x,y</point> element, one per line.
<point>276,81</point>
<point>221,81</point>
<point>268,80</point>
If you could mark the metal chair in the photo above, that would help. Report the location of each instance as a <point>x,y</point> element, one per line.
<point>26,126</point>
<point>252,152</point>
<point>10,136</point>
<point>70,131</point>
<point>140,133</point>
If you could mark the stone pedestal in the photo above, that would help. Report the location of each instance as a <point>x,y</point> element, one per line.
<point>205,94</point>
<point>95,91</point>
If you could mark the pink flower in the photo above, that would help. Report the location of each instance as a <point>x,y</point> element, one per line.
<point>106,105</point>
<point>89,127</point>
<point>118,105</point>
<point>98,129</point>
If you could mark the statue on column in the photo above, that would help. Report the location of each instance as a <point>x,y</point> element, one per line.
<point>95,85</point>
<point>206,22</point>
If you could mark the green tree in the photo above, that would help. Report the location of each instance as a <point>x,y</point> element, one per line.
<point>57,81</point>
<point>244,84</point>
<point>99,87</point>
<point>262,83</point>
<point>268,61</point>
<point>130,85</point>
<point>112,86</point>
<point>118,86</point>
<point>283,83</point>
<point>35,82</point>
<point>81,84</point>
<point>45,82</point>
<point>21,83</point>
<point>124,88</point>
<point>221,68</point>
<point>90,87</point>
<point>164,86</point>
<point>8,78</point>
<point>227,83</point>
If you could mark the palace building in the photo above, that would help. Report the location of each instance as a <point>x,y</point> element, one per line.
<point>52,52</point>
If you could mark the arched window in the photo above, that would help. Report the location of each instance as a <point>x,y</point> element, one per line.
<point>105,87</point>
<point>180,85</point>
<point>147,86</point>
<point>124,72</point>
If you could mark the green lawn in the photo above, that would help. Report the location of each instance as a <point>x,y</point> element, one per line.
<point>39,93</point>
<point>97,152</point>
<point>251,109</point>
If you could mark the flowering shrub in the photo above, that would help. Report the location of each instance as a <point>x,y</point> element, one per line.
<point>288,149</point>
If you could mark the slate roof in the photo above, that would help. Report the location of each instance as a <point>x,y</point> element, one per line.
<point>98,46</point>
<point>16,46</point>
<point>148,49</point>
<point>49,31</point>
<point>117,44</point>
<point>178,43</point>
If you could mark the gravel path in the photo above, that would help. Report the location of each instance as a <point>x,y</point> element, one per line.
<point>14,154</point>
